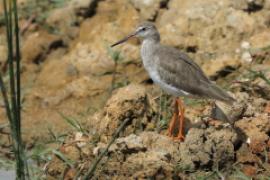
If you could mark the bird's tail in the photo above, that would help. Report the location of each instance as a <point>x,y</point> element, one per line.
<point>219,94</point>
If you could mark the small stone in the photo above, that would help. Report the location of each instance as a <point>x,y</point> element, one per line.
<point>248,141</point>
<point>96,151</point>
<point>246,57</point>
<point>245,45</point>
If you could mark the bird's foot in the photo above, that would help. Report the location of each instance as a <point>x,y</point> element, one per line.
<point>169,133</point>
<point>179,137</point>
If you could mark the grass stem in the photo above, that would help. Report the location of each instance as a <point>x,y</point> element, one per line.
<point>12,99</point>
<point>90,172</point>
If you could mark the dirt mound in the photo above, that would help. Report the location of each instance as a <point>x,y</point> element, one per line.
<point>130,102</point>
<point>151,155</point>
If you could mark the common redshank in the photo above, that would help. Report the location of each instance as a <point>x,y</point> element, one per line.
<point>175,72</point>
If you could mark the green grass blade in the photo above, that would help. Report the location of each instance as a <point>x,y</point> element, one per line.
<point>73,122</point>
<point>60,155</point>
<point>18,58</point>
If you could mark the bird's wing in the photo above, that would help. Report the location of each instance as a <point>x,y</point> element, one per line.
<point>178,70</point>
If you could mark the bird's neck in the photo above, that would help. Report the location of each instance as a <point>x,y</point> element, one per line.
<point>148,50</point>
<point>151,40</point>
<point>148,46</point>
<point>154,37</point>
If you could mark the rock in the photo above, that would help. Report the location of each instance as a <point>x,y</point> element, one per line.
<point>147,155</point>
<point>61,16</point>
<point>253,156</point>
<point>147,141</point>
<point>215,66</point>
<point>38,45</point>
<point>260,40</point>
<point>181,22</point>
<point>248,5</point>
<point>256,128</point>
<point>79,88</point>
<point>61,84</point>
<point>240,4</point>
<point>245,45</point>
<point>89,62</point>
<point>255,107</point>
<point>209,148</point>
<point>64,21</point>
<point>249,160</point>
<point>83,7</point>
<point>83,73</point>
<point>244,155</point>
<point>140,166</point>
<point>148,8</point>
<point>130,143</point>
<point>267,4</point>
<point>210,31</point>
<point>127,102</point>
<point>246,57</point>
<point>240,21</point>
<point>102,22</point>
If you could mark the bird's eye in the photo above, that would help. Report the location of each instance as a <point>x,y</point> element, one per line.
<point>143,29</point>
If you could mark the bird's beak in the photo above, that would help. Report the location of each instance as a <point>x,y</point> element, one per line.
<point>124,39</point>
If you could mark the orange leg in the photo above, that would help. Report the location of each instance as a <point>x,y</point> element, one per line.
<point>181,118</point>
<point>178,115</point>
<point>173,120</point>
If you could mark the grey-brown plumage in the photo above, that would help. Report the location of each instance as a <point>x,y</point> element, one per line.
<point>179,71</point>
<point>173,70</point>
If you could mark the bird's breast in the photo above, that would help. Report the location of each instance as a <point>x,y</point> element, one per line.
<point>148,56</point>
<point>151,62</point>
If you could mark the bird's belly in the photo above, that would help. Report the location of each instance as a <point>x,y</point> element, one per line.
<point>166,86</point>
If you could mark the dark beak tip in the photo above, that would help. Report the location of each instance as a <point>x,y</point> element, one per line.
<point>122,40</point>
<point>112,45</point>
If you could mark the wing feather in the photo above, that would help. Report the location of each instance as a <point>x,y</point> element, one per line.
<point>178,70</point>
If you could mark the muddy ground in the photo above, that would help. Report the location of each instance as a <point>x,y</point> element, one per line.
<point>77,90</point>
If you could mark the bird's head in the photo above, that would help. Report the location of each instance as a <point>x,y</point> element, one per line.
<point>146,30</point>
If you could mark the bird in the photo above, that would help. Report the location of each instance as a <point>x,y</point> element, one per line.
<point>175,73</point>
